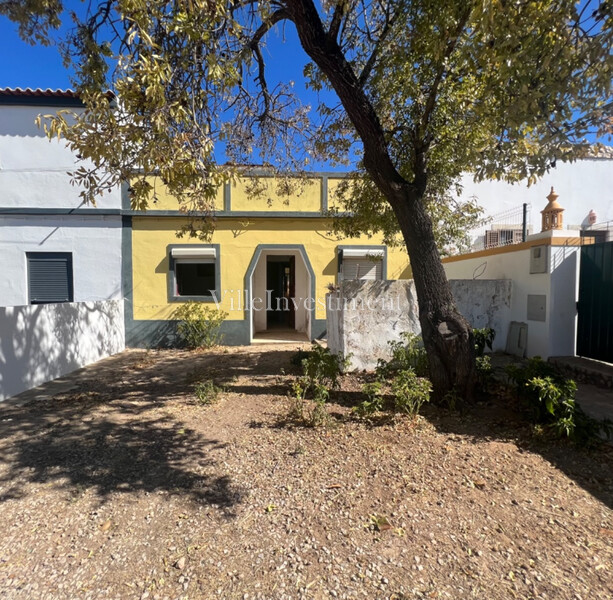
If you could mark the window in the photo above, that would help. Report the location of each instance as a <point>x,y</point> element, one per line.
<point>194,272</point>
<point>367,263</point>
<point>502,237</point>
<point>49,277</point>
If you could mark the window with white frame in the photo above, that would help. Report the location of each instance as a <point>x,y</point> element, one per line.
<point>194,272</point>
<point>361,263</point>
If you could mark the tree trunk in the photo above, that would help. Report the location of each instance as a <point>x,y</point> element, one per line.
<point>447,335</point>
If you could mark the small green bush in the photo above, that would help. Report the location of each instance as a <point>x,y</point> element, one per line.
<point>408,353</point>
<point>207,392</point>
<point>483,337</point>
<point>549,398</point>
<point>321,371</point>
<point>375,393</point>
<point>410,392</point>
<point>199,324</point>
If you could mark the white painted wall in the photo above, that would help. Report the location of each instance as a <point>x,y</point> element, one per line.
<point>43,342</point>
<point>95,243</point>
<point>33,169</point>
<point>556,336</point>
<point>583,185</point>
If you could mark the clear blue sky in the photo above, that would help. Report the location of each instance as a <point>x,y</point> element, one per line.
<point>25,66</point>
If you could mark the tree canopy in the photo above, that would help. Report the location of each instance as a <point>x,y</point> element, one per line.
<point>496,87</point>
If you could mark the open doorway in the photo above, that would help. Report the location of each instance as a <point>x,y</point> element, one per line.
<point>281,292</point>
<point>280,286</point>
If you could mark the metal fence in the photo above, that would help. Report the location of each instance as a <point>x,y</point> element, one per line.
<point>502,229</point>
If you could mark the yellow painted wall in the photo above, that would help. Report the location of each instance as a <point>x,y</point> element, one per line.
<point>162,200</point>
<point>332,198</point>
<point>238,239</point>
<point>304,197</point>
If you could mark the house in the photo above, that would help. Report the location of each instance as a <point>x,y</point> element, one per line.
<point>61,300</point>
<point>269,263</point>
<point>80,282</point>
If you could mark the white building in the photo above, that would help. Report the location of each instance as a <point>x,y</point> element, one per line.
<point>584,186</point>
<point>60,283</point>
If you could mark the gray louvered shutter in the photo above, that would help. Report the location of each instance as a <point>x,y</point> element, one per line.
<point>49,277</point>
<point>361,268</point>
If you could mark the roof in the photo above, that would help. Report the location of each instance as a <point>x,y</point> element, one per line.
<point>40,97</point>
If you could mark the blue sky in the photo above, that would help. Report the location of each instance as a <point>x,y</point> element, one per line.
<point>25,66</point>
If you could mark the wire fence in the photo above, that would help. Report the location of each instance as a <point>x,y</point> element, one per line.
<point>502,229</point>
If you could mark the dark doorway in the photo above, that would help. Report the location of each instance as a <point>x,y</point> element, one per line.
<point>281,289</point>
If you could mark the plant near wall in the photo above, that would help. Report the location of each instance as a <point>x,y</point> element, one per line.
<point>198,324</point>
<point>549,399</point>
<point>410,392</point>
<point>483,337</point>
<point>407,353</point>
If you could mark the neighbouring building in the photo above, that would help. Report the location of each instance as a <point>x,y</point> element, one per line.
<point>61,300</point>
<point>585,188</point>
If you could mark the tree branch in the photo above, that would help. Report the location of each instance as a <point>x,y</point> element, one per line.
<point>337,18</point>
<point>328,56</point>
<point>372,59</point>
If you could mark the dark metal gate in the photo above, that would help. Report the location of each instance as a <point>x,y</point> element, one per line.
<point>595,308</point>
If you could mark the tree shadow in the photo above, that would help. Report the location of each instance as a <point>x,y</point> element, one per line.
<point>112,438</point>
<point>495,420</point>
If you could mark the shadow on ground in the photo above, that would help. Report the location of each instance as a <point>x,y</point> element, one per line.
<point>496,420</point>
<point>112,435</point>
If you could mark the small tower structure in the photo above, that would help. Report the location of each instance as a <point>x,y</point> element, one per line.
<point>552,213</point>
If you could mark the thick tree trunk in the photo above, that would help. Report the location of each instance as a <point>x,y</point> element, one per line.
<point>446,333</point>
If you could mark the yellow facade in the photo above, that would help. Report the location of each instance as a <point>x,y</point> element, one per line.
<point>243,227</point>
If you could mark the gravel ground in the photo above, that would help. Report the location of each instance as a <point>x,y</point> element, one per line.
<point>128,487</point>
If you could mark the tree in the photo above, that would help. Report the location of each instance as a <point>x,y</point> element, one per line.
<point>426,89</point>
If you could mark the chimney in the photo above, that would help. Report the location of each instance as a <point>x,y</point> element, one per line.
<point>552,213</point>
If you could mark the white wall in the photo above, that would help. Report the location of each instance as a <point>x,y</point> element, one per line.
<point>364,316</point>
<point>583,185</point>
<point>557,334</point>
<point>33,169</point>
<point>95,243</point>
<point>43,342</point>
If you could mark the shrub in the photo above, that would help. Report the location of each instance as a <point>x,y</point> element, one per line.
<point>550,400</point>
<point>207,392</point>
<point>408,353</point>
<point>374,392</point>
<point>199,324</point>
<point>321,371</point>
<point>484,370</point>
<point>410,391</point>
<point>483,337</point>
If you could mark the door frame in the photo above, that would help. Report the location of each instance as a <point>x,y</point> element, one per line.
<point>278,249</point>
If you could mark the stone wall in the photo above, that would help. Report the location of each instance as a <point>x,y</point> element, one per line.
<point>363,316</point>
